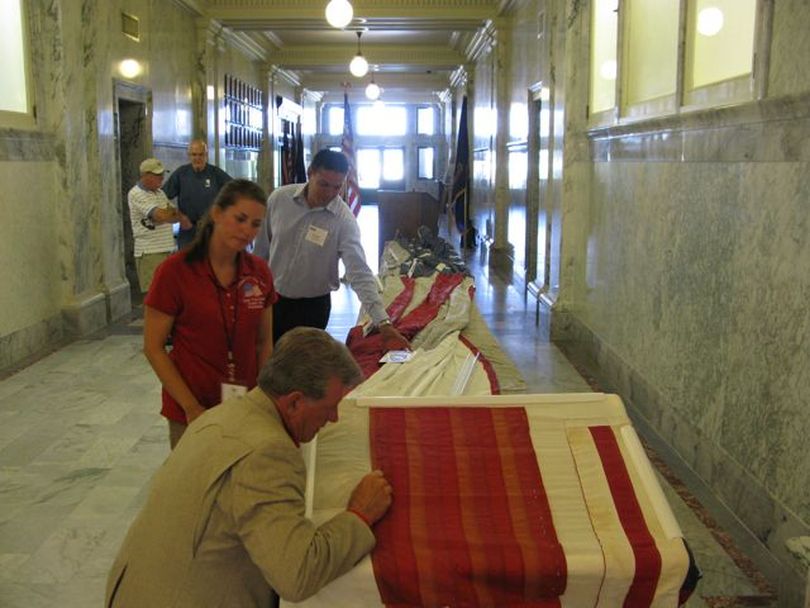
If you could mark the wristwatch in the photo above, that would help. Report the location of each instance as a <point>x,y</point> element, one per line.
<point>384,322</point>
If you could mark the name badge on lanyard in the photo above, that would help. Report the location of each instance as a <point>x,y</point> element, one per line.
<point>228,388</point>
<point>316,235</point>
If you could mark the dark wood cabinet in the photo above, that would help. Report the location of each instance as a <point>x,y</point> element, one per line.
<point>401,214</point>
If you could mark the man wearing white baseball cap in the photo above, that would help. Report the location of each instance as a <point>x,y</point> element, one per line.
<point>152,216</point>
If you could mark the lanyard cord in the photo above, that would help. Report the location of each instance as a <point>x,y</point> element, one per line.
<point>229,333</point>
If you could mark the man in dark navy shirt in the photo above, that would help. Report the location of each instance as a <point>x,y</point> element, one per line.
<point>195,185</point>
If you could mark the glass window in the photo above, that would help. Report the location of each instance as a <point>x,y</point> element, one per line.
<point>518,120</point>
<point>720,41</point>
<point>393,164</point>
<point>425,163</point>
<point>368,168</point>
<point>336,120</point>
<point>518,168</point>
<point>380,119</point>
<point>425,121</point>
<point>652,49</point>
<point>604,31</point>
<point>13,76</point>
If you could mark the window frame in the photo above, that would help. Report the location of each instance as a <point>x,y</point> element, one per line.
<point>329,109</point>
<point>420,108</point>
<point>385,184</point>
<point>743,89</point>
<point>419,148</point>
<point>27,119</point>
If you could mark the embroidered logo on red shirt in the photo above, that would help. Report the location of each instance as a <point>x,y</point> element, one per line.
<point>252,294</point>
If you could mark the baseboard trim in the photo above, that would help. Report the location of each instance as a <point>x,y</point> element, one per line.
<point>85,315</point>
<point>118,301</point>
<point>29,343</point>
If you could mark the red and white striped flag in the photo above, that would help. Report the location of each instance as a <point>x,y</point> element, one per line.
<point>351,191</point>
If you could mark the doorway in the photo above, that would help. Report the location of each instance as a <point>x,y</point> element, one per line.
<point>381,168</point>
<point>133,147</point>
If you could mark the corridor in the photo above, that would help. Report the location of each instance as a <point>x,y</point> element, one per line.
<point>80,436</point>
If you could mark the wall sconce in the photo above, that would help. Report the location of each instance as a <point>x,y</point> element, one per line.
<point>373,90</point>
<point>339,13</point>
<point>130,68</point>
<point>359,66</point>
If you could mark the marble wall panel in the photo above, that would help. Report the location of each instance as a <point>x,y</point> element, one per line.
<point>789,71</point>
<point>696,281</point>
<point>171,155</point>
<point>172,47</point>
<point>25,145</point>
<point>29,245</point>
<point>682,271</point>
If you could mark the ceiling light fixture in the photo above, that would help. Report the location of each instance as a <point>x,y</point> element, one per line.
<point>373,90</point>
<point>339,13</point>
<point>710,21</point>
<point>359,66</point>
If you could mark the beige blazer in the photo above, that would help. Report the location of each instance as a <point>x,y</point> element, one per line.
<point>224,523</point>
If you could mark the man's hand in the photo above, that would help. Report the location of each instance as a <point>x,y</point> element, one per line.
<point>185,223</point>
<point>392,339</point>
<point>371,498</point>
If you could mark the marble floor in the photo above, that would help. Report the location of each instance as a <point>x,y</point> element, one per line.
<point>80,436</point>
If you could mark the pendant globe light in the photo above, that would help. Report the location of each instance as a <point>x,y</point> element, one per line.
<point>339,13</point>
<point>359,66</point>
<point>373,90</point>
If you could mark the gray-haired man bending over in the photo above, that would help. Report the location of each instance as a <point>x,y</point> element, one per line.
<point>224,522</point>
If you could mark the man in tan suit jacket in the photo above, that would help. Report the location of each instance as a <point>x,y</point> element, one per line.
<point>224,521</point>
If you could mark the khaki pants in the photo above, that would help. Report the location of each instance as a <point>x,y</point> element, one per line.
<point>146,266</point>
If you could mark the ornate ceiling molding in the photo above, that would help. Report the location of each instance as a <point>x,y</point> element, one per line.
<point>191,6</point>
<point>458,79</point>
<point>246,44</point>
<point>508,7</point>
<point>482,42</point>
<point>427,40</point>
<point>314,57</point>
<point>310,95</point>
<point>208,30</point>
<point>389,82</point>
<point>277,73</point>
<point>382,15</point>
<point>362,8</point>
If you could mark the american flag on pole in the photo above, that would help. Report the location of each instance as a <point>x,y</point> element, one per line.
<point>351,193</point>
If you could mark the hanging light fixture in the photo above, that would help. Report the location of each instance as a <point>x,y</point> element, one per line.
<point>339,13</point>
<point>373,90</point>
<point>359,66</point>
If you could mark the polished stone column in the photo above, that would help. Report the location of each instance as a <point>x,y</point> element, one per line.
<point>206,88</point>
<point>71,64</point>
<point>272,112</point>
<point>103,155</point>
<point>502,103</point>
<point>572,90</point>
<point>266,162</point>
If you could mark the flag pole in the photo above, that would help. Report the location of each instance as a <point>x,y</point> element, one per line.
<point>351,188</point>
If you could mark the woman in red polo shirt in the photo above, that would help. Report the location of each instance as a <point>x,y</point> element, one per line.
<point>215,299</point>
